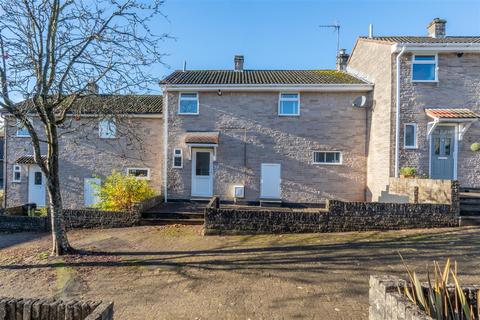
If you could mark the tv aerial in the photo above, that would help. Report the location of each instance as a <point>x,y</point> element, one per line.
<point>336,28</point>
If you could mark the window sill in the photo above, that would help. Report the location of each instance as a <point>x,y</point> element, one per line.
<point>188,114</point>
<point>327,164</point>
<point>289,115</point>
<point>21,136</point>
<point>411,148</point>
<point>425,81</point>
<point>108,138</point>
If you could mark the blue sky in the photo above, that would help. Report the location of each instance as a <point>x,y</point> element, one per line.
<point>285,34</point>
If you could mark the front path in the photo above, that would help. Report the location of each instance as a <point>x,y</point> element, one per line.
<point>174,272</point>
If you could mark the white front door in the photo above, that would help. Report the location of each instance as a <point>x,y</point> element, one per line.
<point>202,173</point>
<point>36,186</point>
<point>90,191</point>
<point>270,181</point>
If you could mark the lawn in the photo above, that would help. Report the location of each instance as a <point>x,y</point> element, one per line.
<point>174,272</point>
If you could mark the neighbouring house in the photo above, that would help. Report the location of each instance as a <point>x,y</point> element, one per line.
<point>298,136</point>
<point>105,133</point>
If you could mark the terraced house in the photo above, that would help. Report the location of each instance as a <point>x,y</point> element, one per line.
<point>298,136</point>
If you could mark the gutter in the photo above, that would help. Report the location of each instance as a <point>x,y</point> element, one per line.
<point>442,47</point>
<point>397,114</point>
<point>165,148</point>
<point>270,87</point>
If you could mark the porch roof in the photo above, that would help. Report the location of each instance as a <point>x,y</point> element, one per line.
<point>28,160</point>
<point>445,114</point>
<point>201,138</point>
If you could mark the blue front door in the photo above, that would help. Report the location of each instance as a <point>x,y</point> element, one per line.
<point>442,153</point>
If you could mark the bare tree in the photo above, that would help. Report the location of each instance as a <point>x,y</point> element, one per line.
<point>52,50</point>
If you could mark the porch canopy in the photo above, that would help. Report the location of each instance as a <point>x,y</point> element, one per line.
<point>28,160</point>
<point>463,117</point>
<point>202,139</point>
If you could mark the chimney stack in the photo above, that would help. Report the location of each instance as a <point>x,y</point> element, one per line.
<point>92,88</point>
<point>239,62</point>
<point>342,59</point>
<point>436,28</point>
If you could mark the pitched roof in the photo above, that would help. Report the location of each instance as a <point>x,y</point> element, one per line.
<point>202,137</point>
<point>28,159</point>
<point>452,113</point>
<point>424,39</point>
<point>113,104</point>
<point>260,77</point>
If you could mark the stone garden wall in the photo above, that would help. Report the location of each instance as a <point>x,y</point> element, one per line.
<point>338,216</point>
<point>40,309</point>
<point>10,221</point>
<point>424,190</point>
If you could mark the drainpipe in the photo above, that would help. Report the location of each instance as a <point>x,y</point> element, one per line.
<point>165,145</point>
<point>397,115</point>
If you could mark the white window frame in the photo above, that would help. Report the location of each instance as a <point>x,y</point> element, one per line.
<point>137,168</point>
<point>100,131</point>
<point>415,138</point>
<point>197,99</point>
<point>288,99</point>
<point>328,163</point>
<point>17,168</point>
<point>424,62</point>
<point>19,127</point>
<point>177,155</point>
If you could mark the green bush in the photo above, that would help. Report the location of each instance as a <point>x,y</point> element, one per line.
<point>120,192</point>
<point>475,147</point>
<point>408,172</point>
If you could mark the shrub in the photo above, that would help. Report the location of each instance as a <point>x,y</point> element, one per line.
<point>475,147</point>
<point>120,192</point>
<point>438,298</point>
<point>408,172</point>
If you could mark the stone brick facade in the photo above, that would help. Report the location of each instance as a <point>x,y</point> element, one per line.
<point>379,145</point>
<point>424,190</point>
<point>458,86</point>
<point>83,154</point>
<point>252,133</point>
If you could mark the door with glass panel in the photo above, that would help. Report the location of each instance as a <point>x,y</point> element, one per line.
<point>442,153</point>
<point>202,173</point>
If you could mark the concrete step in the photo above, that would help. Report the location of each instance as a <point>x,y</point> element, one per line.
<point>156,222</point>
<point>173,215</point>
<point>469,221</point>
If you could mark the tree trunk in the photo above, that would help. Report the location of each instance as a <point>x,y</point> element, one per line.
<point>61,245</point>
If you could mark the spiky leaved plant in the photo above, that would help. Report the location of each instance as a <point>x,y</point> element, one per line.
<point>439,299</point>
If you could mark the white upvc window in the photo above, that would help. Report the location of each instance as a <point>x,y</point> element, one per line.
<point>177,158</point>
<point>289,104</point>
<point>22,131</point>
<point>188,103</point>
<point>17,173</point>
<point>139,173</point>
<point>424,68</point>
<point>107,129</point>
<point>410,136</point>
<point>327,157</point>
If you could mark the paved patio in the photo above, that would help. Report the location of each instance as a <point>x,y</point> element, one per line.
<point>173,272</point>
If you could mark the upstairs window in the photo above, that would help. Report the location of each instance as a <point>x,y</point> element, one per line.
<point>22,131</point>
<point>327,157</point>
<point>289,104</point>
<point>139,173</point>
<point>177,158</point>
<point>410,136</point>
<point>188,103</point>
<point>107,129</point>
<point>17,173</point>
<point>424,68</point>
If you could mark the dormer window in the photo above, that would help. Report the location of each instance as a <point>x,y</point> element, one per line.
<point>424,68</point>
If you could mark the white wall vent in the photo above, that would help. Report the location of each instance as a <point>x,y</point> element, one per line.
<point>238,192</point>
